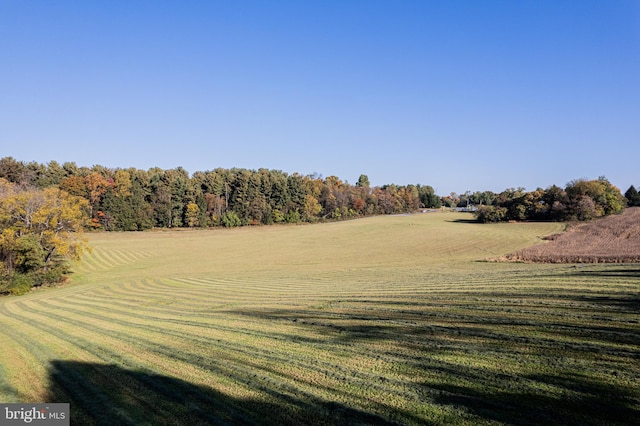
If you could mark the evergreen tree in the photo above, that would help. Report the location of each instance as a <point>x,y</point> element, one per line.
<point>363,181</point>
<point>633,198</point>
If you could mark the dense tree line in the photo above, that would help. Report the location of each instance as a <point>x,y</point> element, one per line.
<point>134,199</point>
<point>579,200</point>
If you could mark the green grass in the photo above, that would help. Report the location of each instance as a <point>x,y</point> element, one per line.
<point>381,320</point>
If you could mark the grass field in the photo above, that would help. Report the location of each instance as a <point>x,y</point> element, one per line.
<point>375,321</point>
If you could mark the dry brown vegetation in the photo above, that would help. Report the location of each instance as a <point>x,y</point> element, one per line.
<point>614,239</point>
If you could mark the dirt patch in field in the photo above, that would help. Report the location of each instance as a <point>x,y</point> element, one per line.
<point>613,239</point>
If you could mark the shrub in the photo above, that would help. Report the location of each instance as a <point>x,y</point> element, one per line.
<point>292,217</point>
<point>20,284</point>
<point>487,214</point>
<point>231,219</point>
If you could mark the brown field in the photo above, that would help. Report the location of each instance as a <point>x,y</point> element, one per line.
<point>613,239</point>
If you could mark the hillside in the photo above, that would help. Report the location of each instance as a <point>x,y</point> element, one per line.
<point>613,239</point>
<point>383,320</point>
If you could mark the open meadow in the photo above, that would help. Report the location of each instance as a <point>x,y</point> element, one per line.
<point>383,320</point>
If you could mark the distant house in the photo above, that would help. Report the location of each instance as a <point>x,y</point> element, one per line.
<point>469,208</point>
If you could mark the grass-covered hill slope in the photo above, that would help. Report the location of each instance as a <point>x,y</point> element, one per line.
<point>386,320</point>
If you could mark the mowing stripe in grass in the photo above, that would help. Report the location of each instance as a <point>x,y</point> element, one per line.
<point>263,382</point>
<point>249,351</point>
<point>89,396</point>
<point>369,318</point>
<point>104,259</point>
<point>7,392</point>
<point>137,340</point>
<point>455,317</point>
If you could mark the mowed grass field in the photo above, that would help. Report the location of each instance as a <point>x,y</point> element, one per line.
<point>384,320</point>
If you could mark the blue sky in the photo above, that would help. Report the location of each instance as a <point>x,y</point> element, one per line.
<point>460,95</point>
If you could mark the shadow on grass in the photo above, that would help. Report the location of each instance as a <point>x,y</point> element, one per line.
<point>597,270</point>
<point>7,392</point>
<point>340,327</point>
<point>629,302</point>
<point>605,303</point>
<point>474,221</point>
<point>106,394</point>
<point>622,300</point>
<point>565,392</point>
<point>580,401</point>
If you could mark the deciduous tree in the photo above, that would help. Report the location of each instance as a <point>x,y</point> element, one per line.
<point>41,229</point>
<point>192,215</point>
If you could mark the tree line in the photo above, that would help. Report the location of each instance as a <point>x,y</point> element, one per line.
<point>132,199</point>
<point>580,200</point>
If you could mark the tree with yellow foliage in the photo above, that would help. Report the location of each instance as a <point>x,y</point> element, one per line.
<point>192,215</point>
<point>40,230</point>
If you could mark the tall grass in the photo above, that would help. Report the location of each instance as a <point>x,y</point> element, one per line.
<point>382,320</point>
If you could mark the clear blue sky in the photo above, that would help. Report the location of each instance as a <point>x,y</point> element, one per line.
<point>460,95</point>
